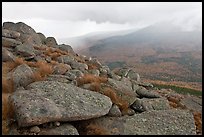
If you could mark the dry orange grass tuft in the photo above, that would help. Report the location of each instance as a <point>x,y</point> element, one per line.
<point>89,78</point>
<point>7,113</point>
<point>111,93</point>
<point>198,121</point>
<point>92,66</point>
<point>95,86</point>
<point>95,129</point>
<point>19,61</point>
<point>43,69</point>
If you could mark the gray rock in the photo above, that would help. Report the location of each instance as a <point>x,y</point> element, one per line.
<point>59,78</point>
<point>95,72</point>
<point>10,34</point>
<point>65,59</point>
<point>123,72</point>
<point>61,68</point>
<point>141,105</point>
<point>42,38</point>
<point>146,85</point>
<point>192,103</point>
<point>133,75</point>
<point>25,50</point>
<point>7,55</point>
<point>65,129</point>
<point>22,76</point>
<point>49,101</point>
<point>57,123</point>
<point>65,47</point>
<point>50,41</point>
<point>71,76</point>
<point>114,111</point>
<point>142,92</point>
<point>123,89</point>
<point>19,27</point>
<point>162,122</point>
<point>104,70</point>
<point>35,129</point>
<point>114,76</point>
<point>10,43</point>
<point>79,66</point>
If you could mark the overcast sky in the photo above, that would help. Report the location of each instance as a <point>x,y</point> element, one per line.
<point>69,19</point>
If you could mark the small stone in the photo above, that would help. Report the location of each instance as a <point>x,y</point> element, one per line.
<point>35,129</point>
<point>57,123</point>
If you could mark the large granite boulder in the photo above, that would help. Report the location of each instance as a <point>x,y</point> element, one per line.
<point>49,101</point>
<point>10,34</point>
<point>162,122</point>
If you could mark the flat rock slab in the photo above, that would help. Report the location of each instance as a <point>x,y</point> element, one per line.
<point>192,103</point>
<point>162,122</point>
<point>49,101</point>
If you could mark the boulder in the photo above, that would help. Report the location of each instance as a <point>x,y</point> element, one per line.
<point>141,105</point>
<point>10,34</point>
<point>61,68</point>
<point>114,111</point>
<point>66,59</point>
<point>143,92</point>
<point>22,76</point>
<point>59,78</point>
<point>25,50</point>
<point>65,47</point>
<point>133,75</point>
<point>123,72</point>
<point>10,43</point>
<point>79,66</point>
<point>19,27</point>
<point>7,55</point>
<point>192,103</point>
<point>162,122</point>
<point>50,41</point>
<point>123,89</point>
<point>49,101</point>
<point>42,38</point>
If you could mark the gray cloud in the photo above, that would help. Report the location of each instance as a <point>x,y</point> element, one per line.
<point>96,14</point>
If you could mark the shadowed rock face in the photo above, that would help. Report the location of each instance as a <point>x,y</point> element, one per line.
<point>54,101</point>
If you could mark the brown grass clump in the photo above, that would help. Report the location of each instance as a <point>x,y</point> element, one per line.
<point>95,86</point>
<point>95,129</point>
<point>19,61</point>
<point>92,66</point>
<point>43,69</point>
<point>7,113</point>
<point>89,78</point>
<point>198,121</point>
<point>111,93</point>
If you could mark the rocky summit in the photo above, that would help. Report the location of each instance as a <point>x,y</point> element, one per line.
<point>48,89</point>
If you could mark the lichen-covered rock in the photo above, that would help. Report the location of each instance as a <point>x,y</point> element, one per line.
<point>25,50</point>
<point>10,43</point>
<point>192,103</point>
<point>65,47</point>
<point>79,66</point>
<point>7,55</point>
<point>95,72</point>
<point>143,92</point>
<point>61,68</point>
<point>141,105</point>
<point>19,27</point>
<point>51,41</point>
<point>162,122</point>
<point>49,101</point>
<point>65,59</point>
<point>42,38</point>
<point>10,34</point>
<point>123,89</point>
<point>133,75</point>
<point>22,76</point>
<point>114,111</point>
<point>59,78</point>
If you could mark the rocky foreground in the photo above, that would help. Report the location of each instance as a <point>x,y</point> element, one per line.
<point>48,89</point>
